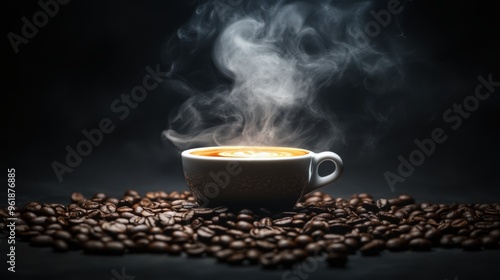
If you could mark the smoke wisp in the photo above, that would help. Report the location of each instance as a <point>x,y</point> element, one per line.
<point>253,74</point>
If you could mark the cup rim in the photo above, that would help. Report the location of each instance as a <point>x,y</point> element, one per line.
<point>188,153</point>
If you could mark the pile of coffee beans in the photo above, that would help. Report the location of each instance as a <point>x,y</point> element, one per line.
<point>319,226</point>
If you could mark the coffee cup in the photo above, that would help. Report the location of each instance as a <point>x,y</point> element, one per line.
<point>255,176</point>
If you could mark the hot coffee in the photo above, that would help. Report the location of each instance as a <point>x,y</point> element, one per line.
<point>250,152</point>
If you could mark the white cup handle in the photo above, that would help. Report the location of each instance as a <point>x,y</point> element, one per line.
<point>317,181</point>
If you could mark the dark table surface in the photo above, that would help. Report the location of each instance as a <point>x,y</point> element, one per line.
<point>439,264</point>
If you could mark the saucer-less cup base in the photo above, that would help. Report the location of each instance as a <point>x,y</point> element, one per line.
<point>272,183</point>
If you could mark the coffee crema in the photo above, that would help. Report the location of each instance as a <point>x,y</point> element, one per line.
<point>250,152</point>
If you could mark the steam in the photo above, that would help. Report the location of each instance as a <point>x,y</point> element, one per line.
<point>275,60</point>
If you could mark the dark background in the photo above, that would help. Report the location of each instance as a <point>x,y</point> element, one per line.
<point>66,77</point>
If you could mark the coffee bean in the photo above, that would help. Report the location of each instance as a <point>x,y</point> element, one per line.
<point>114,248</point>
<point>138,228</point>
<point>236,258</point>
<point>420,244</point>
<point>370,207</point>
<point>373,247</point>
<point>286,244</point>
<point>269,260</point>
<point>174,249</point>
<point>93,247</point>
<point>77,197</point>
<point>41,240</point>
<point>253,255</point>
<point>223,254</point>
<point>40,220</point>
<point>114,227</point>
<point>459,223</point>
<point>484,225</point>
<point>286,221</point>
<point>471,244</point>
<point>388,217</point>
<point>339,248</point>
<point>180,236</point>
<point>433,234</point>
<point>303,240</point>
<point>265,245</point>
<point>62,235</point>
<point>396,244</point>
<point>237,245</point>
<point>205,233</point>
<point>244,226</point>
<point>489,242</point>
<point>195,250</point>
<point>495,234</point>
<point>383,204</point>
<point>47,211</point>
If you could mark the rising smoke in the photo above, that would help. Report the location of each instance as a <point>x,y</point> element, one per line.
<point>252,73</point>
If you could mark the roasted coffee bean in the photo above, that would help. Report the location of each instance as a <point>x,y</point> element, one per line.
<point>47,211</point>
<point>303,240</point>
<point>205,233</point>
<point>138,228</point>
<point>180,236</point>
<point>195,250</point>
<point>237,245</point>
<point>489,242</point>
<point>269,260</point>
<point>253,255</point>
<point>114,248</point>
<point>40,220</point>
<point>244,226</point>
<point>433,234</point>
<point>383,204</point>
<point>108,208</point>
<point>266,222</point>
<point>340,248</point>
<point>420,244</point>
<point>286,221</point>
<point>265,245</point>
<point>388,217</point>
<point>62,234</point>
<point>372,248</point>
<point>396,244</point>
<point>471,244</point>
<point>446,241</point>
<point>88,205</point>
<point>174,249</point>
<point>245,217</point>
<point>77,197</point>
<point>286,244</point>
<point>319,224</point>
<point>93,247</point>
<point>225,239</point>
<point>495,234</point>
<point>370,207</point>
<point>459,223</point>
<point>41,240</point>
<point>212,249</point>
<point>223,254</point>
<point>236,258</point>
<point>114,227</point>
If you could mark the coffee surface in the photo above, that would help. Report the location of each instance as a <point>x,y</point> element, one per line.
<point>251,152</point>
